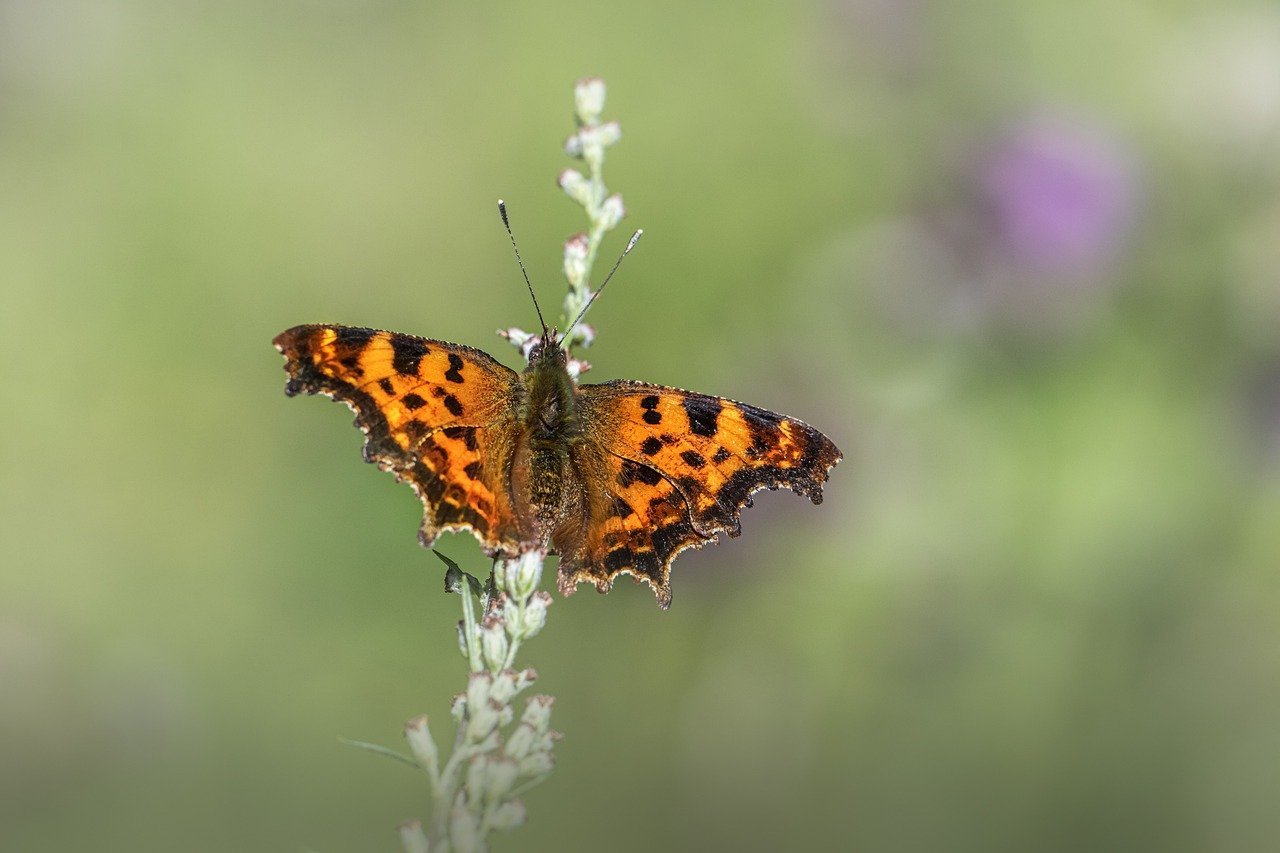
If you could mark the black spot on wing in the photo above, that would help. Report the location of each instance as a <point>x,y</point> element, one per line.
<point>621,508</point>
<point>385,384</point>
<point>720,455</point>
<point>693,459</point>
<point>353,337</point>
<point>650,405</point>
<point>407,353</point>
<point>474,469</point>
<point>650,446</point>
<point>467,434</point>
<point>451,403</point>
<point>758,417</point>
<point>633,472</point>
<point>454,373</point>
<point>412,402</point>
<point>618,559</point>
<point>668,538</point>
<point>703,413</point>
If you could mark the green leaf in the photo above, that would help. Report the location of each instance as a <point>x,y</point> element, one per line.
<point>381,750</point>
<point>454,576</point>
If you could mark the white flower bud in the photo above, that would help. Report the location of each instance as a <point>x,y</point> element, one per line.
<point>509,815</point>
<point>421,744</point>
<point>535,614</point>
<point>525,575</point>
<point>504,686</point>
<point>576,249</point>
<point>605,135</point>
<point>475,781</point>
<point>500,778</point>
<point>537,764</point>
<point>493,640</point>
<point>588,99</point>
<point>573,146</point>
<point>575,185</point>
<point>412,837</point>
<point>545,741</point>
<point>611,211</point>
<point>464,826</point>
<point>537,713</point>
<point>521,741</point>
<point>491,741</point>
<point>458,707</point>
<point>525,677</point>
<point>478,689</point>
<point>484,719</point>
<point>520,339</point>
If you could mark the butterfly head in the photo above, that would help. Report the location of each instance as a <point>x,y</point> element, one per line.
<point>547,351</point>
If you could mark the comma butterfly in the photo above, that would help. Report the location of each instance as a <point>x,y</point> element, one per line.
<point>616,478</point>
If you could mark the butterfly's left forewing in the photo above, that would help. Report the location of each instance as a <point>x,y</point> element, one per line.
<point>685,464</point>
<point>436,415</point>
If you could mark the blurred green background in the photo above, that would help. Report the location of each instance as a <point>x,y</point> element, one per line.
<point>1019,259</point>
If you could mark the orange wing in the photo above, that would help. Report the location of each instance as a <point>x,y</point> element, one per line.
<point>677,468</point>
<point>438,416</point>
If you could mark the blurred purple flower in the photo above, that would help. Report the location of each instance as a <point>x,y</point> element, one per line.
<point>1060,194</point>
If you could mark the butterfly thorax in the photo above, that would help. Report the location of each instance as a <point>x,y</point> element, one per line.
<point>551,427</point>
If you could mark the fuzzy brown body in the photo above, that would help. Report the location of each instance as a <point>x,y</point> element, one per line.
<point>616,478</point>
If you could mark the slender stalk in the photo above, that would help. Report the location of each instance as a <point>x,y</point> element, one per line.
<point>496,757</point>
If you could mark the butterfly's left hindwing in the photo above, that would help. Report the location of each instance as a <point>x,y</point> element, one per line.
<point>437,415</point>
<point>685,464</point>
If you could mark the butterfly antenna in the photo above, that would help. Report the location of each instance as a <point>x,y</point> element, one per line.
<point>635,238</point>
<point>502,210</point>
